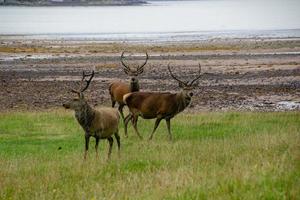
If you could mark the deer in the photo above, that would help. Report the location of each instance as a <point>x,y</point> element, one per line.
<point>118,89</point>
<point>102,123</point>
<point>159,105</point>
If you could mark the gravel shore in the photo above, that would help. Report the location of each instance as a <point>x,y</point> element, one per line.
<point>238,74</point>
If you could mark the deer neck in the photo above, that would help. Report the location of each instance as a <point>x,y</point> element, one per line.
<point>134,86</point>
<point>85,116</point>
<point>182,101</point>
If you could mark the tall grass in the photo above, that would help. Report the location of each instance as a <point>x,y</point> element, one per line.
<point>213,156</point>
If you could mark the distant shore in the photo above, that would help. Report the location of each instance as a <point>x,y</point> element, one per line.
<point>58,3</point>
<point>163,37</point>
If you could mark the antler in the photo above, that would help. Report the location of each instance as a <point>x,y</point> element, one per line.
<point>126,68</point>
<point>83,80</point>
<point>199,75</point>
<point>88,81</point>
<point>138,70</point>
<point>174,77</point>
<point>186,84</point>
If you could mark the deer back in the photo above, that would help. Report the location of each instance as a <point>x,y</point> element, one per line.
<point>105,122</point>
<point>118,89</point>
<point>152,104</point>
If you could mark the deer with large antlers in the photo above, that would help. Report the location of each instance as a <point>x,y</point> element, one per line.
<point>118,89</point>
<point>151,105</point>
<point>101,123</point>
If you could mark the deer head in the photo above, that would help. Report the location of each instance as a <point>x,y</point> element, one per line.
<point>186,86</point>
<point>77,103</point>
<point>133,73</point>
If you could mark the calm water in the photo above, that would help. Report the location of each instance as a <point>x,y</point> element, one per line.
<point>184,19</point>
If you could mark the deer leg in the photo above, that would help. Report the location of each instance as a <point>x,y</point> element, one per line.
<point>155,127</point>
<point>111,141</point>
<point>168,120</point>
<point>121,111</point>
<point>135,118</point>
<point>118,142</point>
<point>96,146</point>
<point>87,140</point>
<point>113,103</point>
<point>126,120</point>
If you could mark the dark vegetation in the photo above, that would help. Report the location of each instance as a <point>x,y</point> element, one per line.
<point>70,2</point>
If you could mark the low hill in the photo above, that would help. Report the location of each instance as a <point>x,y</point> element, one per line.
<point>70,2</point>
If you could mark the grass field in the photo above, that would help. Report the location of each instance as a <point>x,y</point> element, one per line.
<point>213,156</point>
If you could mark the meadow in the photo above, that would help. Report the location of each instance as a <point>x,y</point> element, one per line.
<point>213,156</point>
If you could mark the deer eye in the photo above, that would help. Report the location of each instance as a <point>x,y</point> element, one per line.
<point>191,94</point>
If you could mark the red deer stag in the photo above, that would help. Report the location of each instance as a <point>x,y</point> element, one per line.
<point>150,105</point>
<point>118,89</point>
<point>101,123</point>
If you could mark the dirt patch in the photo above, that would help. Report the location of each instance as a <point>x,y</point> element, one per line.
<point>237,75</point>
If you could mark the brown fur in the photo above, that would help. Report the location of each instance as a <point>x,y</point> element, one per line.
<point>150,105</point>
<point>118,89</point>
<point>100,124</point>
<point>105,122</point>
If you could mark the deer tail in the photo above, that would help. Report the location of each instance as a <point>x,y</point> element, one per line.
<point>125,98</point>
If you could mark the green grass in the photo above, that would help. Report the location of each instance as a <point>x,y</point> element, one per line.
<point>213,156</point>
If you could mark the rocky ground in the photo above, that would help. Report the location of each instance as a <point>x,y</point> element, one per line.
<point>237,74</point>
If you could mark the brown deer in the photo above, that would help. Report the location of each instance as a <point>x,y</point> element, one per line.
<point>118,89</point>
<point>101,123</point>
<point>150,105</point>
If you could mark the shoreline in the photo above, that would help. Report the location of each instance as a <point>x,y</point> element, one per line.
<point>162,37</point>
